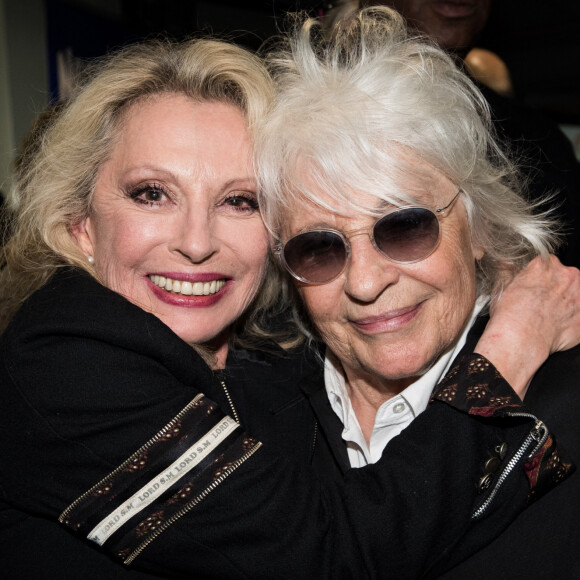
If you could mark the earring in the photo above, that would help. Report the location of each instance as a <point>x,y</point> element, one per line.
<point>91,260</point>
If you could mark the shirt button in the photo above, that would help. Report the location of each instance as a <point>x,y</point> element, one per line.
<point>399,408</point>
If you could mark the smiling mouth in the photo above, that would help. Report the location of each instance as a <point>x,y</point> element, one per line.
<point>187,288</point>
<point>391,321</point>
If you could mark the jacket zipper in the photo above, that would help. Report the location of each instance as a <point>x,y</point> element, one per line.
<point>131,557</point>
<point>539,426</point>
<point>62,518</point>
<point>231,403</point>
<point>538,434</point>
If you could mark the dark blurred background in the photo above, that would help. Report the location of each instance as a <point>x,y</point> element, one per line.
<point>538,39</point>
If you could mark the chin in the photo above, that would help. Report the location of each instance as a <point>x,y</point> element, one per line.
<point>405,366</point>
<point>197,339</point>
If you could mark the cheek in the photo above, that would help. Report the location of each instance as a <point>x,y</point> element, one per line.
<point>261,245</point>
<point>256,272</point>
<point>253,245</point>
<point>119,236</point>
<point>323,304</point>
<point>457,281</point>
<point>122,245</point>
<point>450,273</point>
<point>250,249</point>
<point>325,310</point>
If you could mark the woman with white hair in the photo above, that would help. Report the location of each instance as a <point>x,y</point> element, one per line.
<point>400,219</point>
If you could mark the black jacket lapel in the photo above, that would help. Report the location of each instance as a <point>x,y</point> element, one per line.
<point>331,447</point>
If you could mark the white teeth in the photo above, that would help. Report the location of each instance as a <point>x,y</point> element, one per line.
<point>187,288</point>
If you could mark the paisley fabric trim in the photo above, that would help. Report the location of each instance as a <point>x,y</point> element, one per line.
<point>169,475</point>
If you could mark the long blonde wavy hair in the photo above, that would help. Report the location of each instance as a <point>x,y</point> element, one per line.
<point>56,175</point>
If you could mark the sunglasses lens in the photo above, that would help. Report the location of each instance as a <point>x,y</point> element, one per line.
<point>407,235</point>
<point>315,257</point>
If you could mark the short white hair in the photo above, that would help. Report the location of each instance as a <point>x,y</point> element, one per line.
<point>347,105</point>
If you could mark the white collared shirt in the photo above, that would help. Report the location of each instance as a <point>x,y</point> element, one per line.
<point>393,415</point>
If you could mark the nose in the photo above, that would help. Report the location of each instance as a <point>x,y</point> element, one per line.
<point>368,273</point>
<point>195,237</point>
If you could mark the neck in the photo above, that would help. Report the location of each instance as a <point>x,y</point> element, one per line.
<point>220,357</point>
<point>215,351</point>
<point>367,394</point>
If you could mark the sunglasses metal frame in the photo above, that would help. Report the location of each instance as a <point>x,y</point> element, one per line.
<point>439,213</point>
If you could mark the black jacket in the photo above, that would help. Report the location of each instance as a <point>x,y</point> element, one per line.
<point>101,413</point>
<point>544,541</point>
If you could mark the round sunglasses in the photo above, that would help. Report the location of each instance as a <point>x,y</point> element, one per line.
<point>404,236</point>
